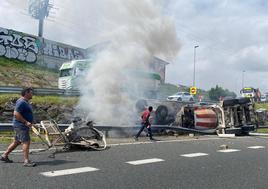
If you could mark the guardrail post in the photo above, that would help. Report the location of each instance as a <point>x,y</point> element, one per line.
<point>106,133</point>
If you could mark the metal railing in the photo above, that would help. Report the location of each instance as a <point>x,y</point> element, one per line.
<point>107,129</point>
<point>41,91</point>
<point>125,129</point>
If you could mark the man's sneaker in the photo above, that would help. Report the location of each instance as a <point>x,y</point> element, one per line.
<point>6,160</point>
<point>29,164</point>
<point>153,139</point>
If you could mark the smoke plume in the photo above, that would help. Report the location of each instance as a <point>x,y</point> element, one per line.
<point>137,32</point>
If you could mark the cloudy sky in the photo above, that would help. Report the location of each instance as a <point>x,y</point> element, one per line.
<point>231,35</point>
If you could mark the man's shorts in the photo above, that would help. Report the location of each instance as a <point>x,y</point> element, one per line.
<point>22,135</point>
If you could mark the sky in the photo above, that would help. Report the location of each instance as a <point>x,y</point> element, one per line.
<point>231,35</point>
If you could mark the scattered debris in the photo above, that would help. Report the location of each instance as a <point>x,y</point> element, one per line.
<point>224,147</point>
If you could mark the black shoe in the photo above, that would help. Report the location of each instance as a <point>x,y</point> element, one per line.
<point>29,164</point>
<point>6,160</point>
<point>153,139</point>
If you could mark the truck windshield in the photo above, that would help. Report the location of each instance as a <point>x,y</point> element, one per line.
<point>65,72</point>
<point>247,90</point>
<point>79,72</point>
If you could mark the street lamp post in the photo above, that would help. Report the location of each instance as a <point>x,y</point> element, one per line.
<point>243,78</point>
<point>194,63</point>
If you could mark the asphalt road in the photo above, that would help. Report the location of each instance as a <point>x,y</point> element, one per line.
<point>181,163</point>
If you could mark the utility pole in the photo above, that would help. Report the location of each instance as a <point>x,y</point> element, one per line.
<point>243,78</point>
<point>39,9</point>
<point>194,64</point>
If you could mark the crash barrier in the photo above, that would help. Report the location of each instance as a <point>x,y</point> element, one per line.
<point>129,129</point>
<point>41,91</point>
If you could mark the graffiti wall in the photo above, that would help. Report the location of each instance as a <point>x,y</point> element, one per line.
<point>59,50</point>
<point>18,46</point>
<point>32,49</point>
<point>54,53</point>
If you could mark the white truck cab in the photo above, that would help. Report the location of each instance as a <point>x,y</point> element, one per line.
<point>70,73</point>
<point>248,92</point>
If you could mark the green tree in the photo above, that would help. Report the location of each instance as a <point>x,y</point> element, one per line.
<point>217,92</point>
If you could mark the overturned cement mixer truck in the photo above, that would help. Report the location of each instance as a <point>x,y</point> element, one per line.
<point>236,116</point>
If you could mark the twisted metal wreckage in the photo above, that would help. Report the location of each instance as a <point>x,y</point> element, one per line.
<point>79,133</point>
<point>230,116</point>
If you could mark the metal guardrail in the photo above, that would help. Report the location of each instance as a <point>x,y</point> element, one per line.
<point>41,91</point>
<point>8,127</point>
<point>107,129</point>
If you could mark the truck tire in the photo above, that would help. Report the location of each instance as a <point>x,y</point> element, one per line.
<point>161,114</point>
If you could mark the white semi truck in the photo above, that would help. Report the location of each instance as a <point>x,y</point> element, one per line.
<point>72,72</point>
<point>252,93</point>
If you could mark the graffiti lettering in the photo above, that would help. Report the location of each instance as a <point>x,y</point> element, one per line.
<point>30,43</point>
<point>16,46</point>
<point>17,42</point>
<point>62,52</point>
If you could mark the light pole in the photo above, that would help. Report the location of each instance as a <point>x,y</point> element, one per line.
<point>243,78</point>
<point>39,10</point>
<point>194,63</point>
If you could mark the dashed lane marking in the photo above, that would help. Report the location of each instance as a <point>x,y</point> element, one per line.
<point>145,161</point>
<point>68,171</point>
<point>194,154</point>
<point>229,150</point>
<point>256,147</point>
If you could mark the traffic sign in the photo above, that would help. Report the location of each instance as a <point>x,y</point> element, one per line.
<point>193,90</point>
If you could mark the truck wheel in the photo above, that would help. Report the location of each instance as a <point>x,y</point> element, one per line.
<point>161,114</point>
<point>179,99</point>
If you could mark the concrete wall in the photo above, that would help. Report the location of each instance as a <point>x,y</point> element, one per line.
<point>33,49</point>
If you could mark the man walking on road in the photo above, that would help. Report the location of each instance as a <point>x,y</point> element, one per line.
<point>22,122</point>
<point>145,123</point>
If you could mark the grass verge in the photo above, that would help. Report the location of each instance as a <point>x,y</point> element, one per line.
<point>6,137</point>
<point>262,130</point>
<point>42,100</point>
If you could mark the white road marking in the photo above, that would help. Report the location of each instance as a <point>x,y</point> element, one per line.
<point>256,147</point>
<point>68,171</point>
<point>228,150</point>
<point>194,154</point>
<point>145,161</point>
<point>31,150</point>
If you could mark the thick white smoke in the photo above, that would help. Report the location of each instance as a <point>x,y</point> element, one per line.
<point>138,32</point>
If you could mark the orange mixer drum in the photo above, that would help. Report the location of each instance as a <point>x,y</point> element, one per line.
<point>205,119</point>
